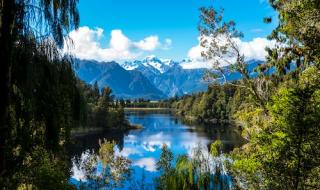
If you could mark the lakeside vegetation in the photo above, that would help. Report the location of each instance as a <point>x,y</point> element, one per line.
<point>145,103</point>
<point>145,109</point>
<point>100,110</point>
<point>216,105</point>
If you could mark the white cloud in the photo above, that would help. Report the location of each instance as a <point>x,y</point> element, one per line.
<point>194,64</point>
<point>195,52</point>
<point>153,142</point>
<point>85,43</point>
<point>127,151</point>
<point>148,44</point>
<point>148,164</point>
<point>254,49</point>
<point>195,59</point>
<point>119,41</point>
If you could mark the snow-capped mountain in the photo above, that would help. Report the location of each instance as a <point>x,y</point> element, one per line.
<point>152,77</point>
<point>171,77</point>
<point>124,84</point>
<point>152,63</point>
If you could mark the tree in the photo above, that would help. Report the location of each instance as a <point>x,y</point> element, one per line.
<point>283,154</point>
<point>44,108</point>
<point>101,110</point>
<point>40,20</point>
<point>219,40</point>
<point>202,170</point>
<point>106,98</point>
<point>298,33</point>
<point>96,91</point>
<point>114,171</point>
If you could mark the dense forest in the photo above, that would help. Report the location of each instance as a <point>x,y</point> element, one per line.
<point>42,101</point>
<point>99,109</point>
<point>216,105</point>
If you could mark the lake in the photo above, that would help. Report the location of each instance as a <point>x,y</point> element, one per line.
<point>143,146</point>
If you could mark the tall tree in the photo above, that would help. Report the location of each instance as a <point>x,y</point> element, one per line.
<point>47,21</point>
<point>220,42</point>
<point>281,153</point>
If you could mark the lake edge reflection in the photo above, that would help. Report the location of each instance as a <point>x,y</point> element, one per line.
<point>143,147</point>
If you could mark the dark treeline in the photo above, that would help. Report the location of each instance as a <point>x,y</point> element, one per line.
<point>99,108</point>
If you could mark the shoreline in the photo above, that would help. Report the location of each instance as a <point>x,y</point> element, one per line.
<point>144,109</point>
<point>87,131</point>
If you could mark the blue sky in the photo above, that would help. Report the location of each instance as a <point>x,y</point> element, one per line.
<point>173,20</point>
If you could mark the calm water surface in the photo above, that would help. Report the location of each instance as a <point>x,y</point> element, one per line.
<point>143,147</point>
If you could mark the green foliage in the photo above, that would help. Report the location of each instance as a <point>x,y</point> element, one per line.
<point>216,148</point>
<point>165,162</point>
<point>280,112</point>
<point>54,18</point>
<point>251,118</point>
<point>298,31</point>
<point>283,153</point>
<point>199,171</point>
<point>44,108</point>
<point>143,103</point>
<point>101,110</point>
<point>218,103</point>
<point>115,169</point>
<point>39,101</point>
<point>220,47</point>
<point>41,171</point>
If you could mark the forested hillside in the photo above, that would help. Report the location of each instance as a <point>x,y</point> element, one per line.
<point>217,105</point>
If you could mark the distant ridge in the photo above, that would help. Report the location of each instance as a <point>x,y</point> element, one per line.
<point>151,78</point>
<point>124,84</point>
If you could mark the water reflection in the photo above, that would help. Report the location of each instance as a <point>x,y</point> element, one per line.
<point>143,147</point>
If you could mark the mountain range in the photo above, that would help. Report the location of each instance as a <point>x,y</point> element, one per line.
<point>151,78</point>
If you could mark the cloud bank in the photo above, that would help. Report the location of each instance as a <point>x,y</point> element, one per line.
<point>85,43</point>
<point>254,49</point>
